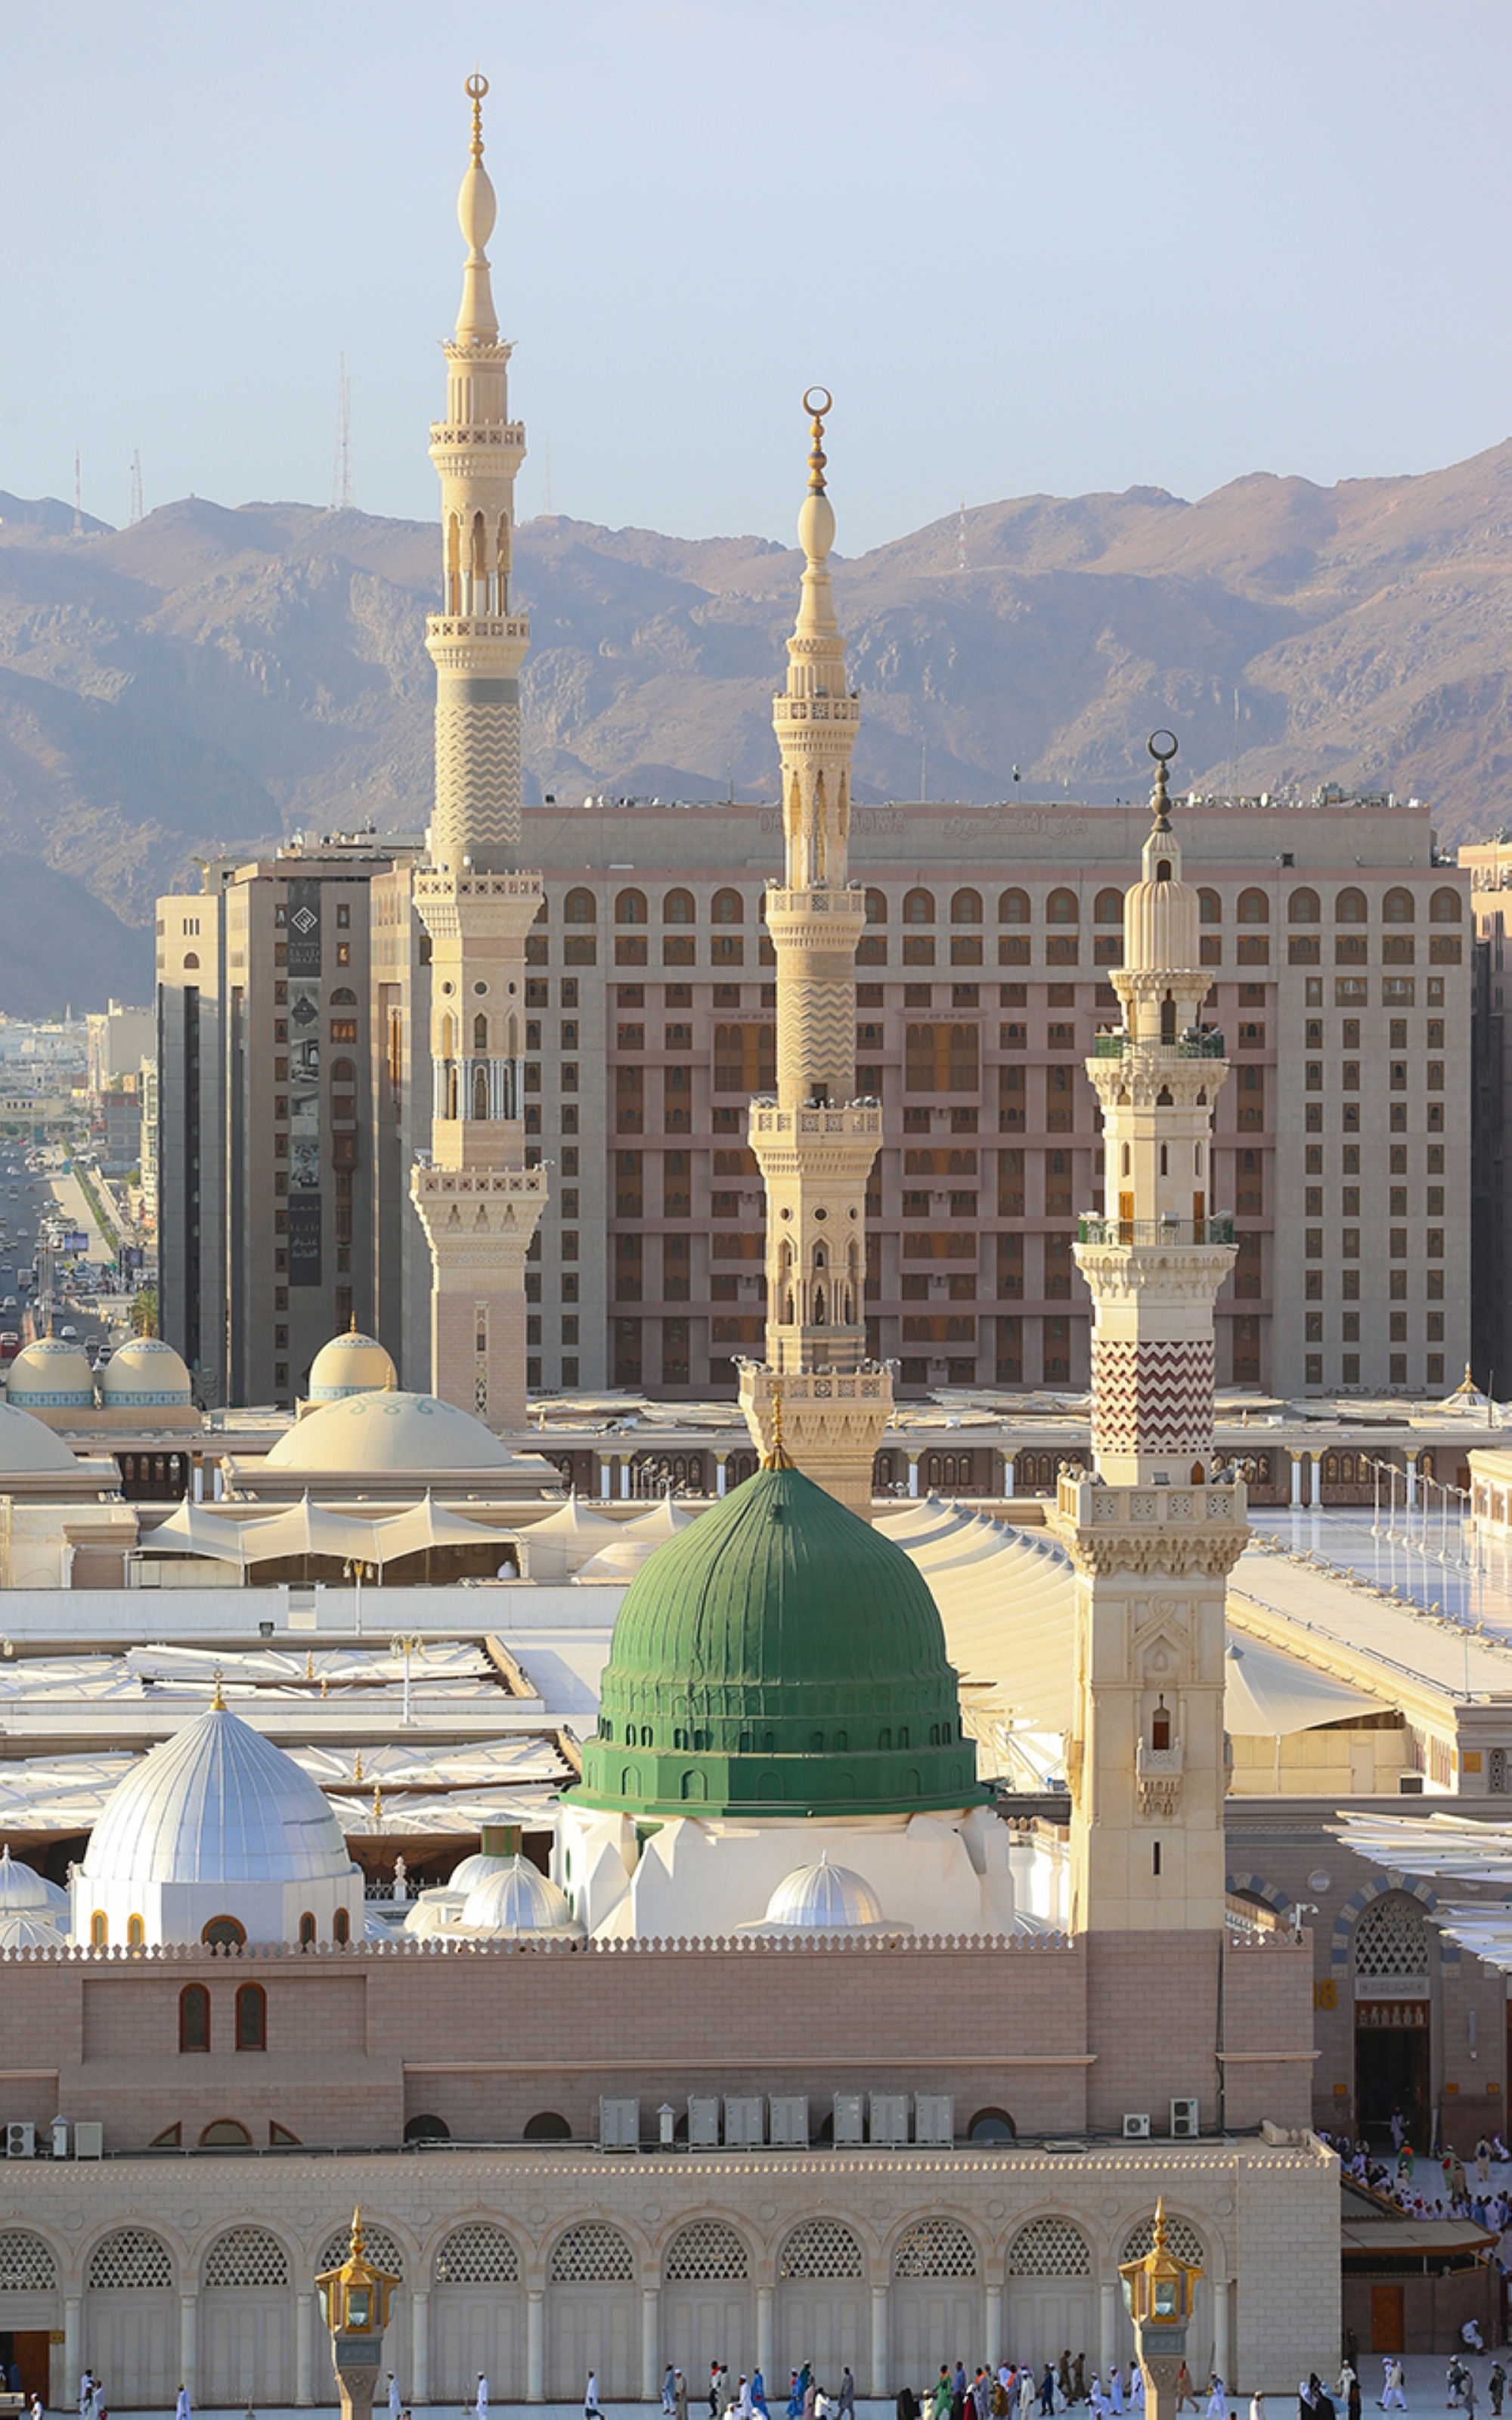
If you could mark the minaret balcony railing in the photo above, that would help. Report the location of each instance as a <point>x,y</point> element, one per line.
<point>510,434</point>
<point>766,1120</point>
<point>478,625</point>
<point>1197,1045</point>
<point>1091,1228</point>
<point>816,709</point>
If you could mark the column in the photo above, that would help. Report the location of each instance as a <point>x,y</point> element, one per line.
<point>188,2306</point>
<point>535,2344</point>
<point>720,1461</point>
<point>73,2350</point>
<point>420,2347</point>
<point>1220,2331</point>
<point>1315,1455</point>
<point>1007,1474</point>
<point>650,2343</point>
<point>765,2336</point>
<point>606,1477</point>
<point>624,1479</point>
<point>1411,1506</point>
<point>913,1474</point>
<point>1108,2330</point>
<point>303,2351</point>
<point>1296,1501</point>
<point>879,2340</point>
<point>993,2320</point>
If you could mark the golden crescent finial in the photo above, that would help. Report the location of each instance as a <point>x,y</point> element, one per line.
<point>476,90</point>
<point>1160,799</point>
<point>218,1702</point>
<point>357,1770</point>
<point>779,1458</point>
<point>816,430</point>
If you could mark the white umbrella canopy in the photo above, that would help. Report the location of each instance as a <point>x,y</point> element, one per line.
<point>1268,1693</point>
<point>426,1525</point>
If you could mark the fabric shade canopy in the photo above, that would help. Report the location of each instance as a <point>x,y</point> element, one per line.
<point>1267,1692</point>
<point>192,1529</point>
<point>426,1524</point>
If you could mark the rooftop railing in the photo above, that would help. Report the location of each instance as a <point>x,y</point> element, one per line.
<point>1093,1230</point>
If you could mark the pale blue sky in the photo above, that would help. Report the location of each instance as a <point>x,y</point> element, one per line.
<point>1041,244</point>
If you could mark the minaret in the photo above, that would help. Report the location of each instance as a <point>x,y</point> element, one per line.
<point>815,1143</point>
<point>478,1202</point>
<point>1152,1539</point>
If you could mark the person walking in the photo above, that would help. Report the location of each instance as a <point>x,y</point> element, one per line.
<point>668,2391</point>
<point>86,2395</point>
<point>1483,2161</point>
<point>1394,2386</point>
<point>1047,2391</point>
<point>845,2400</point>
<point>758,2395</point>
<point>1217,2399</point>
<point>480,2399</point>
<point>1185,2389</point>
<point>679,2397</point>
<point>590,2410</point>
<point>181,2409</point>
<point>396,2398</point>
<point>1496,2386</point>
<point>1257,2406</point>
<point>942,2395</point>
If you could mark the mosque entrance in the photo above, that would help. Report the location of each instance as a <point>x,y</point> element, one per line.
<point>25,2358</point>
<point>1393,2022</point>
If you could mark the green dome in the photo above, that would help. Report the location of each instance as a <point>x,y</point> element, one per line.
<point>779,1657</point>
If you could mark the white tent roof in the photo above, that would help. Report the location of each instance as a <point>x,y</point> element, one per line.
<point>575,1520</point>
<point>1267,1692</point>
<point>662,1519</point>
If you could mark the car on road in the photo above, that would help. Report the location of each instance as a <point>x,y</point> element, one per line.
<point>69,1335</point>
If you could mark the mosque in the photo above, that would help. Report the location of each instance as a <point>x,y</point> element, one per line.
<point>761,2024</point>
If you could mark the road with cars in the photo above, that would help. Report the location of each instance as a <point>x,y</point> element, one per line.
<point>41,1281</point>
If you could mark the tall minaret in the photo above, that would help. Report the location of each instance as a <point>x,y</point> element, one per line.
<point>477,1199</point>
<point>1152,1540</point>
<point>816,1143</point>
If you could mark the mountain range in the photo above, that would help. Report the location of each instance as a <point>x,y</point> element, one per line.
<point>210,679</point>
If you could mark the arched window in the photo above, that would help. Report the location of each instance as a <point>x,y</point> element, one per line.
<point>480,1036</point>
<point>342,1072</point>
<point>193,2017</point>
<point>919,908</point>
<point>707,2253</point>
<point>478,2253</point>
<point>1110,908</point>
<point>132,2260</point>
<point>729,908</point>
<point>1061,908</point>
<point>678,908</point>
<point>1050,2247</point>
<point>1398,908</point>
<point>247,2256</point>
<point>1302,908</point>
<point>1392,1938</point>
<point>341,1926</point>
<point>98,1929</point>
<point>26,2262</point>
<point>307,1931</point>
<point>548,2127</point>
<point>1349,907</point>
<point>934,2247</point>
<point>135,1932</point>
<point>1254,908</point>
<point>1209,907</point>
<point>965,907</point>
<point>251,2017</point>
<point>426,2129</point>
<point>630,907</point>
<point>580,907</point>
<point>823,2248</point>
<point>343,997</point>
<point>1443,907</point>
<point>593,2253</point>
<point>191,959</point>
<point>1013,908</point>
<point>876,907</point>
<point>224,1932</point>
<point>226,2135</point>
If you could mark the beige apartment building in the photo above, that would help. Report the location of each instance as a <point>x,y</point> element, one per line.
<point>1341,984</point>
<point>1488,864</point>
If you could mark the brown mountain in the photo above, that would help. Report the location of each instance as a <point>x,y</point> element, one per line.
<point>208,679</point>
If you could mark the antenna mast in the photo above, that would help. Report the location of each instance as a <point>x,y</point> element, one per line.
<point>961,539</point>
<point>77,494</point>
<point>341,489</point>
<point>138,511</point>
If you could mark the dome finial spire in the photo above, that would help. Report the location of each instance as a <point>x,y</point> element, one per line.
<point>477,92</point>
<point>778,1459</point>
<point>218,1700</point>
<point>477,322</point>
<point>816,430</point>
<point>1160,796</point>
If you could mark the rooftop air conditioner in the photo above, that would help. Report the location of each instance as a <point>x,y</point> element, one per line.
<point>1135,2128</point>
<point>702,2121</point>
<point>619,2127</point>
<point>889,2118</point>
<point>89,2138</point>
<point>787,2121</point>
<point>743,2121</point>
<point>21,2141</point>
<point>848,2117</point>
<point>1184,2127</point>
<point>934,2119</point>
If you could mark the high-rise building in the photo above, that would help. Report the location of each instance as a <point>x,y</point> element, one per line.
<point>476,1198</point>
<point>812,1140</point>
<point>1488,864</point>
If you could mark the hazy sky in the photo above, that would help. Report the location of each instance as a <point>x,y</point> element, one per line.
<point>1031,244</point>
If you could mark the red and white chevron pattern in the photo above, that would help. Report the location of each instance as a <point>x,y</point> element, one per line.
<point>1153,1397</point>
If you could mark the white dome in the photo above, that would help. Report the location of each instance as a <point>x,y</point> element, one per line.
<point>351,1365</point>
<point>621,1559</point>
<point>519,1900</point>
<point>475,1869</point>
<point>389,1432</point>
<point>27,1447</point>
<point>219,1804</point>
<point>25,1892</point>
<point>50,1376</point>
<point>823,1898</point>
<point>145,1373</point>
<point>28,1933</point>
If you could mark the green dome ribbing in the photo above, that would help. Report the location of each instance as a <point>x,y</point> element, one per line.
<point>778,1658</point>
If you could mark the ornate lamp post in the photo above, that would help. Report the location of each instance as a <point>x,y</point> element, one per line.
<point>1158,2291</point>
<point>354,2300</point>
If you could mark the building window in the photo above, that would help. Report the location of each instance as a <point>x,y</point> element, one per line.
<point>251,2017</point>
<point>193,2017</point>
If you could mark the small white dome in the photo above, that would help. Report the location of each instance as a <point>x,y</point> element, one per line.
<point>391,1431</point>
<point>144,1373</point>
<point>28,1933</point>
<point>351,1365</point>
<point>621,1559</point>
<point>50,1376</point>
<point>27,1447</point>
<point>519,1900</point>
<point>24,1891</point>
<point>475,1869</point>
<point>823,1898</point>
<point>217,1802</point>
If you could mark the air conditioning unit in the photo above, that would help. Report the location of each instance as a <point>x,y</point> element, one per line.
<point>848,2117</point>
<point>21,2141</point>
<point>1135,2128</point>
<point>1184,2127</point>
<point>889,2118</point>
<point>934,2119</point>
<point>89,2138</point>
<point>743,2121</point>
<point>619,2127</point>
<point>702,2121</point>
<point>787,2121</point>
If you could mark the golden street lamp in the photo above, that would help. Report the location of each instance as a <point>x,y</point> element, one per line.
<point>1158,2291</point>
<point>354,2302</point>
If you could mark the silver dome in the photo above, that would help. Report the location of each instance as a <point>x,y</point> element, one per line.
<point>217,1802</point>
<point>824,1898</point>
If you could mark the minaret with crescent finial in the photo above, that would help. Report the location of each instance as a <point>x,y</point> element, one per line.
<point>1154,1535</point>
<point>815,1143</point>
<point>478,1202</point>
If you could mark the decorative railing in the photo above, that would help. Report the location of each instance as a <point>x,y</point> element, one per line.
<point>1093,1230</point>
<point>1207,1045</point>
